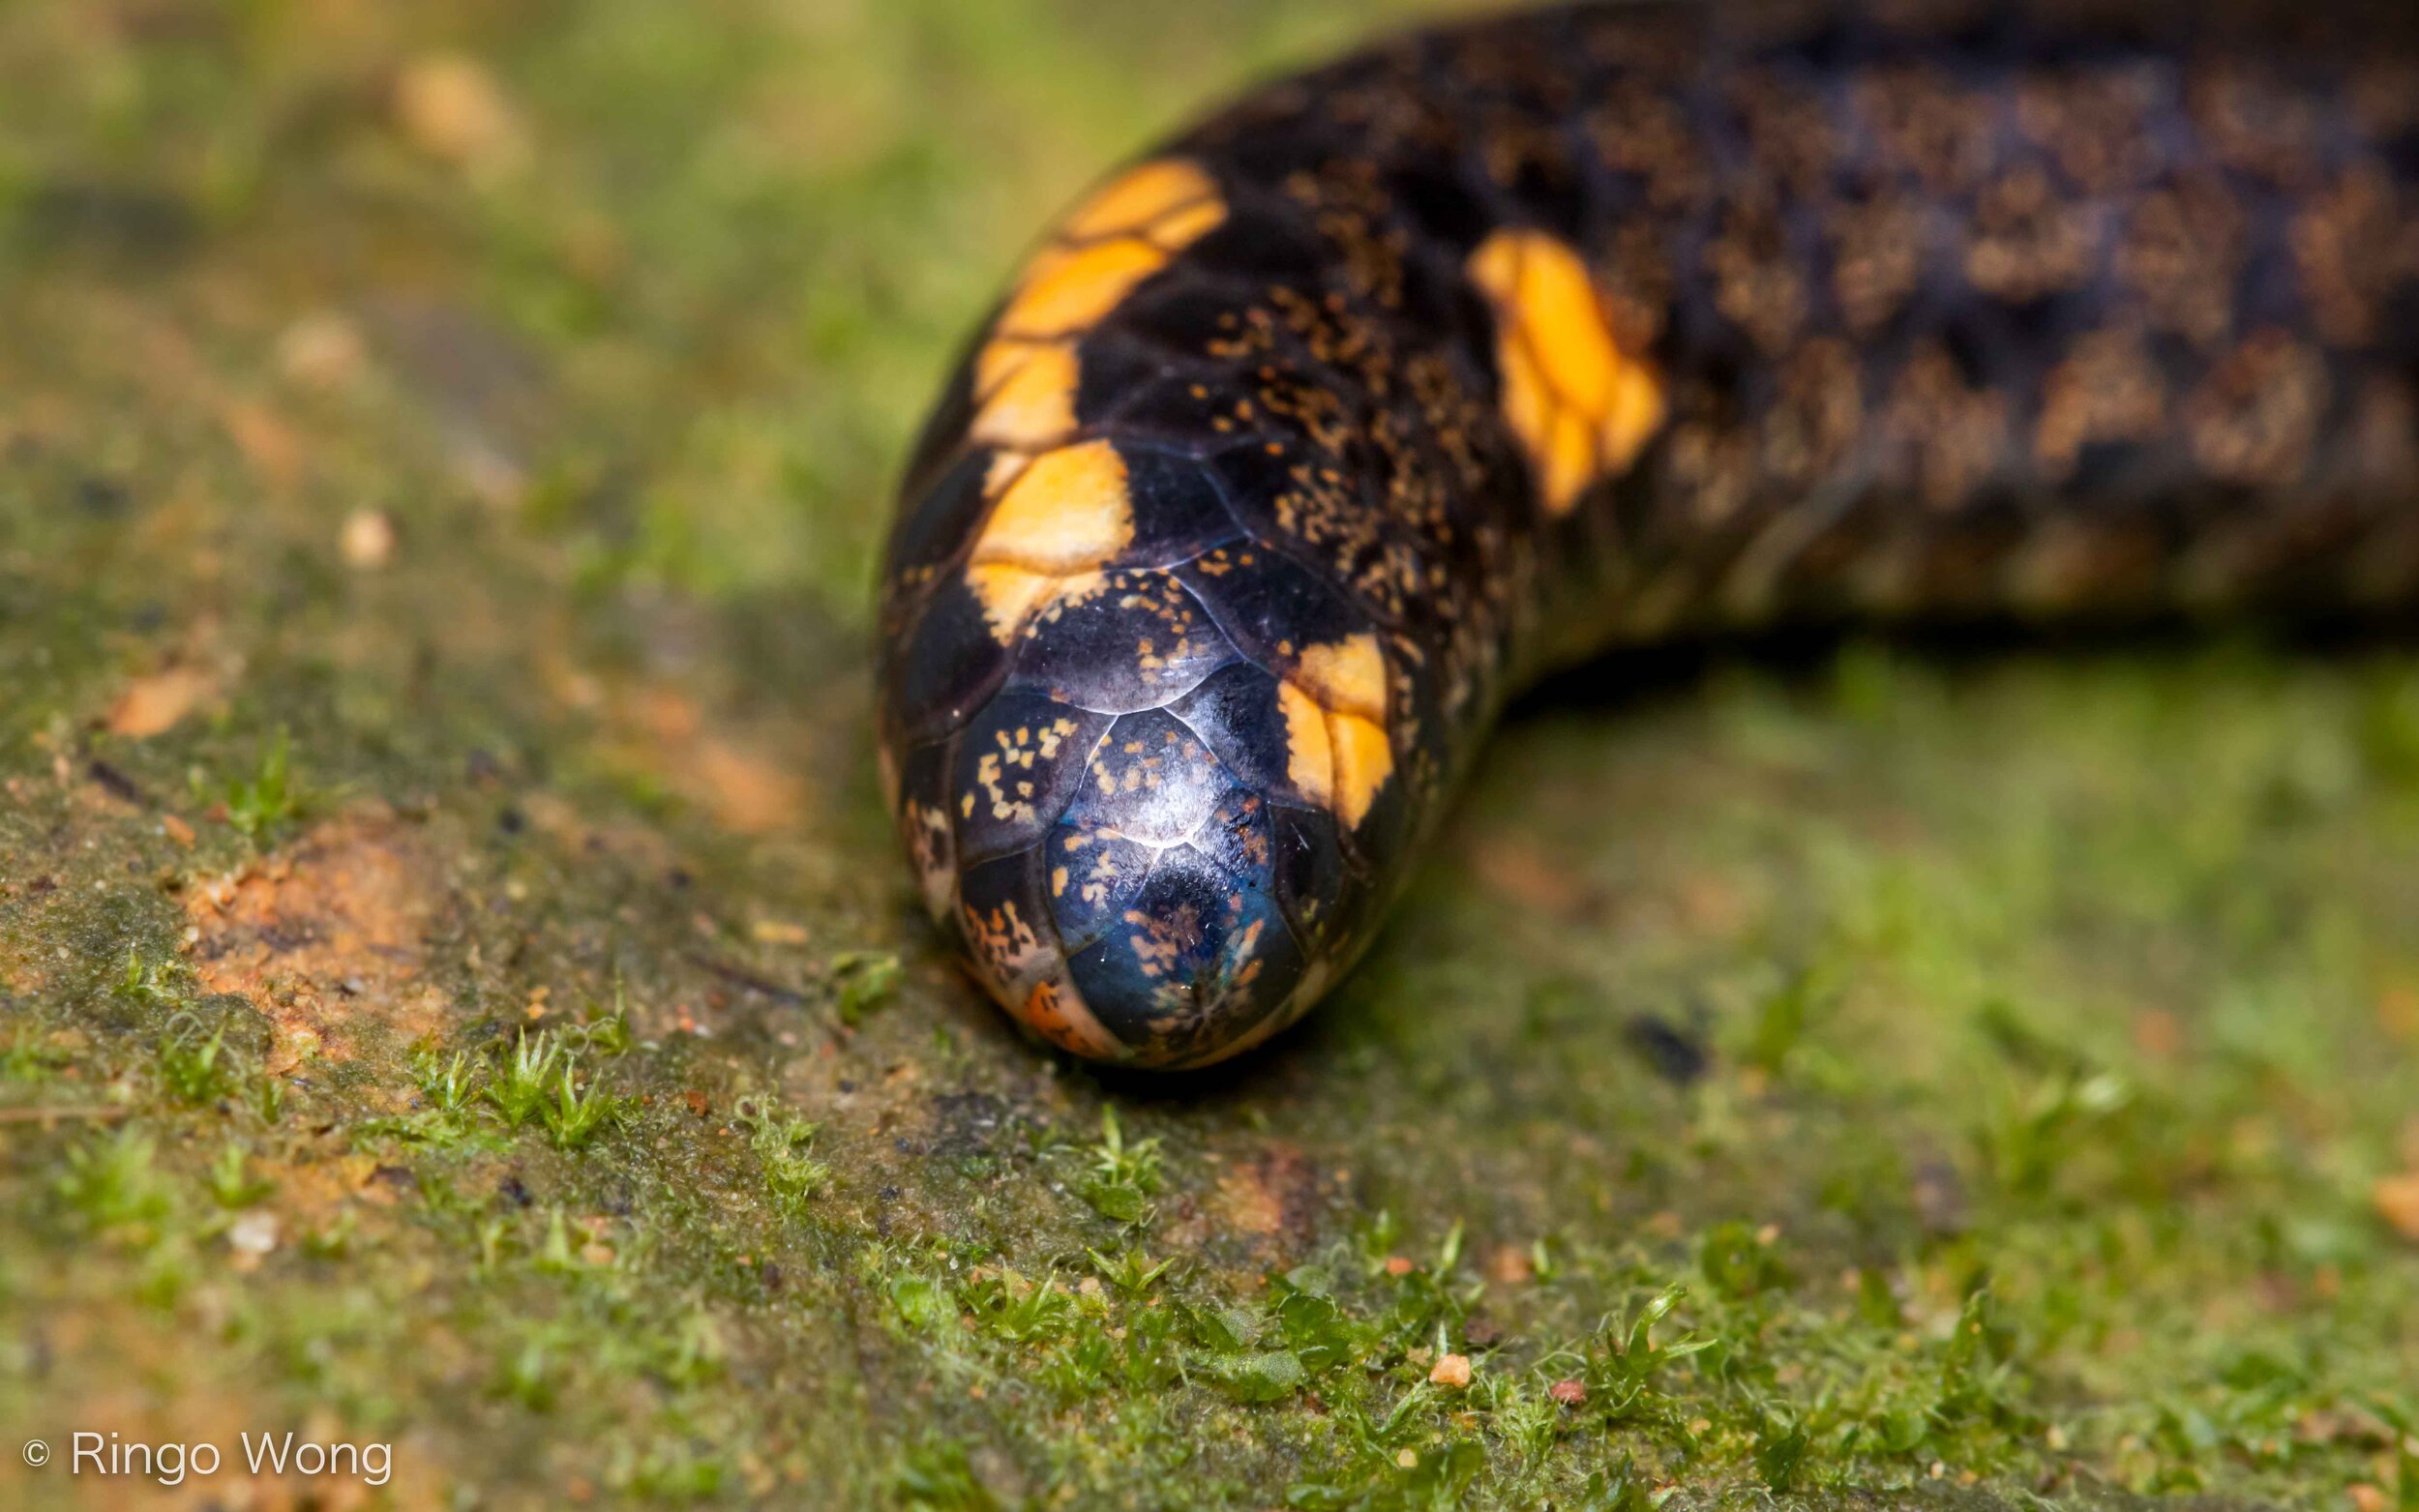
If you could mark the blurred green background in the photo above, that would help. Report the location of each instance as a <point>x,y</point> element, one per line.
<point>763,227</point>
<point>458,990</point>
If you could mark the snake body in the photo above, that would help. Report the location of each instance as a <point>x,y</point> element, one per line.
<point>1304,441</point>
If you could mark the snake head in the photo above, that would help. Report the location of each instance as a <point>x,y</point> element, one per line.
<point>1126,748</point>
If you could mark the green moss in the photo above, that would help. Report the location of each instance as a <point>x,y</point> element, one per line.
<point>265,803</point>
<point>1123,1178</point>
<point>518,1088</point>
<point>783,1145</point>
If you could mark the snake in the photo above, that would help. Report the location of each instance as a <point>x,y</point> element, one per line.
<point>1305,440</point>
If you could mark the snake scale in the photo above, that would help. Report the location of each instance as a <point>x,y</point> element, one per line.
<point>1301,442</point>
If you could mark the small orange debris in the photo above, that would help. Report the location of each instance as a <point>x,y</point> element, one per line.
<point>747,790</point>
<point>1452,1372</point>
<point>1531,878</point>
<point>153,705</point>
<point>1397,1265</point>
<point>270,446</point>
<point>321,351</point>
<point>2397,1200</point>
<point>2368,1497</point>
<point>367,542</point>
<point>2157,1034</point>
<point>1570,1391</point>
<point>2398,1010</point>
<point>450,107</point>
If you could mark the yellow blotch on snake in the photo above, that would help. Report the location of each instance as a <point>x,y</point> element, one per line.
<point>1028,395</point>
<point>1026,373</point>
<point>1063,516</point>
<point>1334,711</point>
<point>1581,407</point>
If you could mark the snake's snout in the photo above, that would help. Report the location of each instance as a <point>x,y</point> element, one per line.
<point>1109,882</point>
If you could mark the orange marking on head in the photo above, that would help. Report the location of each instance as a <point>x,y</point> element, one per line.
<point>1065,515</point>
<point>1363,761</point>
<point>1004,947</point>
<point>1025,376</point>
<point>1567,463</point>
<point>1139,198</point>
<point>1032,405</point>
<point>1338,753</point>
<point>1000,360</point>
<point>1346,677</point>
<point>1010,595</point>
<point>1004,469</point>
<point>1310,759</point>
<point>1581,407</point>
<point>1181,228</point>
<point>1067,289</point>
<point>1528,403</point>
<point>1056,1011</point>
<point>1636,413</point>
<point>1565,327</point>
<point>1066,512</point>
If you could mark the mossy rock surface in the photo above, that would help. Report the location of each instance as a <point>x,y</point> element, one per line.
<point>458,990</point>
